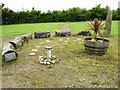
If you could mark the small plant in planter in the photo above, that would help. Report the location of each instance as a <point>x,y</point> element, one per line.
<point>96,45</point>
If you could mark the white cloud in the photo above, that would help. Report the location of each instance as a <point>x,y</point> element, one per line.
<point>45,5</point>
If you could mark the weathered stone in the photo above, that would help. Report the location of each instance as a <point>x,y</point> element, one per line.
<point>34,50</point>
<point>78,39</point>
<point>52,61</point>
<point>65,41</point>
<point>107,31</point>
<point>53,56</point>
<point>27,37</point>
<point>45,63</point>
<point>41,62</point>
<point>58,59</point>
<point>63,33</point>
<point>47,40</point>
<point>40,56</point>
<point>68,38</point>
<point>42,34</point>
<point>37,46</point>
<point>84,33</point>
<point>48,63</point>
<point>32,54</point>
<point>8,54</point>
<point>42,59</point>
<point>17,42</point>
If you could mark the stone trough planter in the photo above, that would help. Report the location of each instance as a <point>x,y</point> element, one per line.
<point>63,33</point>
<point>27,37</point>
<point>98,47</point>
<point>42,34</point>
<point>19,41</point>
<point>84,33</point>
<point>9,54</point>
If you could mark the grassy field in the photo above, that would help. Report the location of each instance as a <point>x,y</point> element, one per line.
<point>83,26</point>
<point>18,29</point>
<point>75,69</point>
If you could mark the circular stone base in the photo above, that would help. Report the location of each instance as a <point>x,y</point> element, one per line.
<point>52,60</point>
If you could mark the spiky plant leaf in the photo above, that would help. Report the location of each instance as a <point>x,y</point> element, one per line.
<point>96,25</point>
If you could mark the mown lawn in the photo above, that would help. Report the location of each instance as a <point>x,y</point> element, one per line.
<point>84,25</point>
<point>18,29</point>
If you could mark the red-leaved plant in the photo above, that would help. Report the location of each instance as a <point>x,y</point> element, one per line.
<point>96,25</point>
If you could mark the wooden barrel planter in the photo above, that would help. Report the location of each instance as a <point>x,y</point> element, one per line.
<point>42,34</point>
<point>9,54</point>
<point>99,47</point>
<point>63,33</point>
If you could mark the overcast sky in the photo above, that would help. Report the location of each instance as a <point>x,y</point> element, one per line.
<point>45,5</point>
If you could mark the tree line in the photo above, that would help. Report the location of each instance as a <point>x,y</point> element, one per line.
<point>70,15</point>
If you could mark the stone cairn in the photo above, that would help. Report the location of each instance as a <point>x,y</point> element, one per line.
<point>49,59</point>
